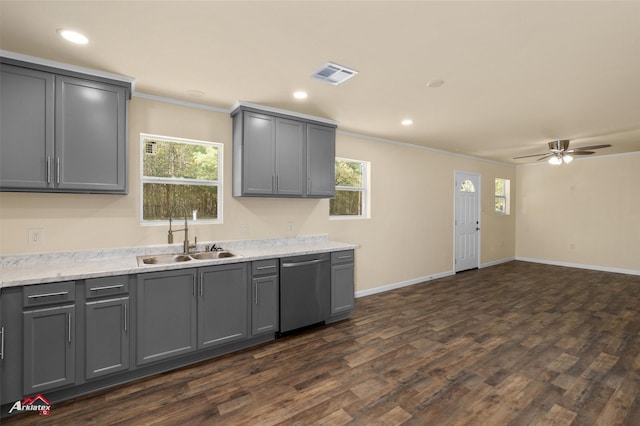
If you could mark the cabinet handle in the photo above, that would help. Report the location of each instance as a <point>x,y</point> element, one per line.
<point>193,287</point>
<point>260,268</point>
<point>107,287</point>
<point>48,169</point>
<point>58,170</point>
<point>2,343</point>
<point>201,280</point>
<point>344,257</point>
<point>126,318</point>
<point>277,188</point>
<point>69,322</point>
<point>59,293</point>
<point>255,293</point>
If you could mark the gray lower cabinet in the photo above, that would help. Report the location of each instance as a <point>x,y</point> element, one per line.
<point>342,282</point>
<point>1,347</point>
<point>49,348</point>
<point>61,133</point>
<point>49,337</point>
<point>107,336</point>
<point>166,315</point>
<point>265,291</point>
<point>223,294</point>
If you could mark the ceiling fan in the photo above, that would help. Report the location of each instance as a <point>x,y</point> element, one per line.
<point>559,152</point>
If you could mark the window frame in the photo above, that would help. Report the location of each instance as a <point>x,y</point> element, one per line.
<point>365,189</point>
<point>181,181</point>
<point>506,186</point>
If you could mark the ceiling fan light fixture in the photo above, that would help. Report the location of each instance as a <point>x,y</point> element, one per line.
<point>555,160</point>
<point>567,158</point>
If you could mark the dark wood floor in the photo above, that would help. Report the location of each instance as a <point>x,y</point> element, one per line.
<point>518,344</point>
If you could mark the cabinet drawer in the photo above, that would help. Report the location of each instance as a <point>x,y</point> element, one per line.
<point>345,256</point>
<point>47,294</point>
<point>107,286</point>
<point>264,267</point>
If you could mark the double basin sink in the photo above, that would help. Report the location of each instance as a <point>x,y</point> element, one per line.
<point>163,259</point>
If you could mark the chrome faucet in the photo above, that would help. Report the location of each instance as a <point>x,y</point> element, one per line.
<point>186,245</point>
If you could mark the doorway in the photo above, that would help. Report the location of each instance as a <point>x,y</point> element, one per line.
<point>466,245</point>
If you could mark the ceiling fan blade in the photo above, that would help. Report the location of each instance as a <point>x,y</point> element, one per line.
<point>586,148</point>
<point>546,156</point>
<point>581,153</point>
<point>532,155</point>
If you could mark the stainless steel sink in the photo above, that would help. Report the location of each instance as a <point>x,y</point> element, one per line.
<point>163,259</point>
<point>212,255</point>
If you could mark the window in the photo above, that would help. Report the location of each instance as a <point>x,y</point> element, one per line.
<point>502,196</point>
<point>352,189</point>
<point>180,177</point>
<point>467,186</point>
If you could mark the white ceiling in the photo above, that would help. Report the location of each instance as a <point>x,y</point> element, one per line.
<point>517,74</point>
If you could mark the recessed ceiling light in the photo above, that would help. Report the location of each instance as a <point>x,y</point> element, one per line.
<point>407,122</point>
<point>73,36</point>
<point>195,93</point>
<point>300,95</point>
<point>435,83</point>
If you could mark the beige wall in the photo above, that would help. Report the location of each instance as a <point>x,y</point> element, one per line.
<point>410,233</point>
<point>409,236</point>
<point>587,213</point>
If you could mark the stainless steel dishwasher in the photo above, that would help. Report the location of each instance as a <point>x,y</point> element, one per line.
<point>305,291</point>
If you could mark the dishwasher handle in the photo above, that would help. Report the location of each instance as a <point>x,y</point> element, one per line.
<point>308,262</point>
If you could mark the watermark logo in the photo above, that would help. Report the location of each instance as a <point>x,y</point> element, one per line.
<point>37,403</point>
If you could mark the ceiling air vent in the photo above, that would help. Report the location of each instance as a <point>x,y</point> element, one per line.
<point>334,74</point>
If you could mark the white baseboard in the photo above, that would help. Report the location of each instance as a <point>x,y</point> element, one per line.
<point>497,262</point>
<point>579,265</point>
<point>382,289</point>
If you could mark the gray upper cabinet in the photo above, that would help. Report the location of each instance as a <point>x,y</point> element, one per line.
<point>258,162</point>
<point>62,133</point>
<point>26,134</point>
<point>280,155</point>
<point>90,136</point>
<point>290,167</point>
<point>321,161</point>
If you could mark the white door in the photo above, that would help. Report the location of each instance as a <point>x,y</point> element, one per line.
<point>467,221</point>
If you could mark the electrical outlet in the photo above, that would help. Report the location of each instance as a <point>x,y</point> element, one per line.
<point>572,246</point>
<point>291,227</point>
<point>244,229</point>
<point>36,236</point>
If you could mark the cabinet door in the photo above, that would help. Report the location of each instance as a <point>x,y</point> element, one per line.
<point>49,348</point>
<point>290,159</point>
<point>166,315</point>
<point>342,291</point>
<point>222,305</point>
<point>264,311</point>
<point>107,336</point>
<point>321,161</point>
<point>26,134</point>
<point>259,136</point>
<point>90,136</point>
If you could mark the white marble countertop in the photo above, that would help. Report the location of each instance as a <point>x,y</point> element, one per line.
<point>52,267</point>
